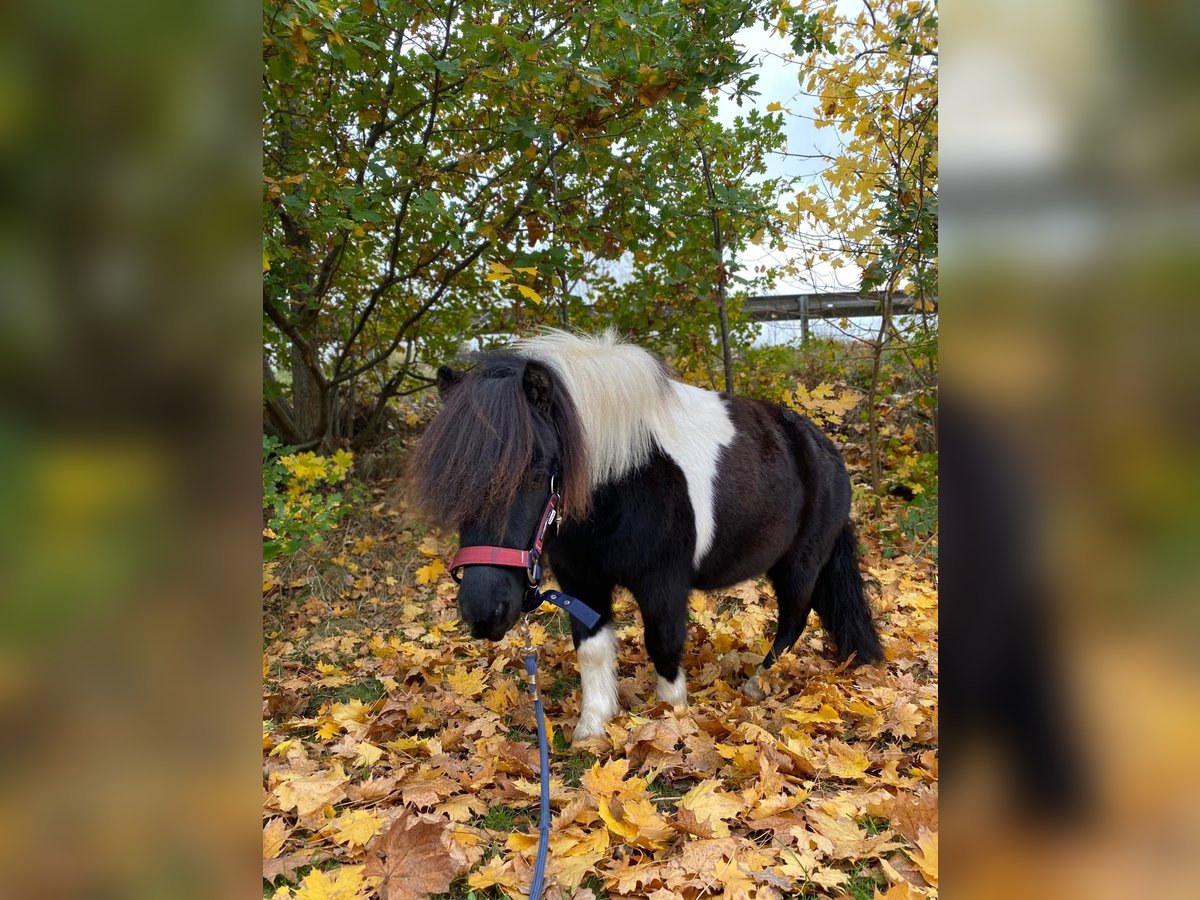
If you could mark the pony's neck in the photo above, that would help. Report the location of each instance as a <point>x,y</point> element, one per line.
<point>620,393</point>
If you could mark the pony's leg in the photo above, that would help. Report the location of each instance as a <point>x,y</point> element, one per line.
<point>596,650</point>
<point>793,577</point>
<point>664,608</point>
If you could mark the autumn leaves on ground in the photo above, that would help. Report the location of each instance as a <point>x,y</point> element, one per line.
<point>400,758</point>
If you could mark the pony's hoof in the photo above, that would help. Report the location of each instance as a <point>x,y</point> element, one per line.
<point>753,690</point>
<point>589,727</point>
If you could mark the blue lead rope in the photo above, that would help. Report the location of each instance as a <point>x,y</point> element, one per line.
<point>539,870</point>
<point>589,617</point>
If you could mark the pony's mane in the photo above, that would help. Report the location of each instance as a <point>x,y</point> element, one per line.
<point>620,391</point>
<point>479,449</point>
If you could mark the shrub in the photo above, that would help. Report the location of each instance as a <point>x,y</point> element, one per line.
<point>299,503</point>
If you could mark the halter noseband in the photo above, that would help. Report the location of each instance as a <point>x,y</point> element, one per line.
<point>531,561</point>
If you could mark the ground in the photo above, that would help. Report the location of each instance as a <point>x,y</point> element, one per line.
<point>400,758</point>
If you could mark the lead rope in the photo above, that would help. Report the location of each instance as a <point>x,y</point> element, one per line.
<point>529,653</point>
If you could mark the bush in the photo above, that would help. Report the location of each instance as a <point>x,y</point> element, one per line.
<point>299,505</point>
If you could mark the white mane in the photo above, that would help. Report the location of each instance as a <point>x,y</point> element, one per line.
<point>627,404</point>
<point>620,391</point>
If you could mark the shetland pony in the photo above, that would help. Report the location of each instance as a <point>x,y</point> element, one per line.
<point>665,488</point>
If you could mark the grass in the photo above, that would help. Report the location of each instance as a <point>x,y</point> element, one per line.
<point>862,884</point>
<point>572,767</point>
<point>500,818</point>
<point>561,686</point>
<point>367,690</point>
<point>667,793</point>
<point>873,825</point>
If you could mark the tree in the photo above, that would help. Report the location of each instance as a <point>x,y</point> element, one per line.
<point>874,77</point>
<point>437,170</point>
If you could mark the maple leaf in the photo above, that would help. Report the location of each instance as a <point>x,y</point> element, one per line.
<point>468,682</point>
<point>712,806</point>
<point>606,779</point>
<point>309,793</point>
<point>430,573</point>
<point>355,828</point>
<point>845,761</point>
<point>414,857</point>
<point>346,883</point>
<point>926,857</point>
<point>901,891</point>
<point>498,272</point>
<point>275,832</point>
<point>571,870</point>
<point>637,821</point>
<point>529,293</point>
<point>368,754</point>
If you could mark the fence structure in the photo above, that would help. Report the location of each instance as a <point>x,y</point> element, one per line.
<point>828,305</point>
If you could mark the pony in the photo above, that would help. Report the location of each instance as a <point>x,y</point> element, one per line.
<point>665,487</point>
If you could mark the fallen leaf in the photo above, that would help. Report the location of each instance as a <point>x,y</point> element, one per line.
<point>356,828</point>
<point>413,858</point>
<point>275,832</point>
<point>926,857</point>
<point>308,793</point>
<point>711,805</point>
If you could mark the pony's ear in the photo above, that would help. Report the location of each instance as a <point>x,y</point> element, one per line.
<point>446,379</point>
<point>539,386</point>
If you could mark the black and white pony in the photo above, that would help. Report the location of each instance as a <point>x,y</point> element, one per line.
<point>665,487</point>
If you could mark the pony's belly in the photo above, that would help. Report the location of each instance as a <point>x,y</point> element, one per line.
<point>732,561</point>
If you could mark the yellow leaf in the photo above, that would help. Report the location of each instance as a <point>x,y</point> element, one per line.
<point>275,832</point>
<point>846,762</point>
<point>615,822</point>
<point>926,856</point>
<point>710,804</point>
<point>345,713</point>
<point>429,547</point>
<point>529,293</point>
<point>346,883</point>
<point>430,573</point>
<point>527,270</point>
<point>266,260</point>
<point>571,870</point>
<point>309,793</point>
<point>637,821</point>
<point>356,828</point>
<point>774,107</point>
<point>469,682</point>
<point>281,748</point>
<point>498,272</point>
<point>826,714</point>
<point>606,779</point>
<point>368,754</point>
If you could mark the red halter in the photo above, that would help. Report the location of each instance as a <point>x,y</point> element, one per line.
<point>530,560</point>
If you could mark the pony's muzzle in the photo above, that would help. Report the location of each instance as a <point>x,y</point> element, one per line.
<point>489,600</point>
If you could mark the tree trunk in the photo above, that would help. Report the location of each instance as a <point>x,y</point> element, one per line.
<point>885,317</point>
<point>719,252</point>
<point>306,399</point>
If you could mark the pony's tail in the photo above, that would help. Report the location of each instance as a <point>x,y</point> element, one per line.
<point>839,600</point>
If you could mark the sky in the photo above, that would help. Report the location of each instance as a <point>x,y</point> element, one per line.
<point>778,82</point>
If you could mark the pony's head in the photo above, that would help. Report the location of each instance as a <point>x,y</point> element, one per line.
<point>484,466</point>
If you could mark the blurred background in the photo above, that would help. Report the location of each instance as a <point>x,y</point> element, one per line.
<point>129,486</point>
<point>1069,251</point>
<point>131,418</point>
